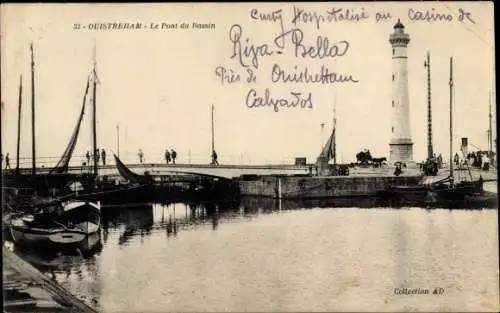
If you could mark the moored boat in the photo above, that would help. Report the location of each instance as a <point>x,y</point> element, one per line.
<point>446,192</point>
<point>443,193</point>
<point>56,224</point>
<point>130,193</point>
<point>59,257</point>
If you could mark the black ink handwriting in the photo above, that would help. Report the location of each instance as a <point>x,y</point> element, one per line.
<point>321,50</point>
<point>251,76</point>
<point>297,99</point>
<point>334,15</point>
<point>273,16</point>
<point>429,16</point>
<point>226,76</point>
<point>465,15</point>
<point>246,50</point>
<point>324,76</point>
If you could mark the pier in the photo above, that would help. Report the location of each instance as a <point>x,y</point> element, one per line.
<point>28,290</point>
<point>321,187</point>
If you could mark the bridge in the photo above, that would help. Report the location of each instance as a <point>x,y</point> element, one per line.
<point>157,169</point>
<point>231,171</point>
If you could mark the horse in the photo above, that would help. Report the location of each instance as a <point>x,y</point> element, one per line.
<point>364,157</point>
<point>377,162</point>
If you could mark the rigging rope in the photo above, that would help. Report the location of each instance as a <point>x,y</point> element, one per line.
<point>62,165</point>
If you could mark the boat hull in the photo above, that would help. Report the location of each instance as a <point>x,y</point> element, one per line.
<point>23,235</point>
<point>67,237</point>
<point>462,195</point>
<point>128,194</point>
<point>27,236</point>
<point>54,256</point>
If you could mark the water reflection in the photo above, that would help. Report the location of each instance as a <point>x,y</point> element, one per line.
<point>176,216</point>
<point>265,205</point>
<point>75,267</point>
<point>185,256</point>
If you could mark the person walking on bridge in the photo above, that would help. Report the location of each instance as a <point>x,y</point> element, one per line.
<point>7,161</point>
<point>174,155</point>
<point>103,156</point>
<point>214,158</point>
<point>167,156</point>
<point>141,156</point>
<point>97,156</point>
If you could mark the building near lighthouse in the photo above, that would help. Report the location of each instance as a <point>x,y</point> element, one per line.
<point>401,144</point>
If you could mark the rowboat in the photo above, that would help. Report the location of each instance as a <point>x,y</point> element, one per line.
<point>62,224</point>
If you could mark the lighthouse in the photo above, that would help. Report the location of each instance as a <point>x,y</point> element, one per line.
<point>400,145</point>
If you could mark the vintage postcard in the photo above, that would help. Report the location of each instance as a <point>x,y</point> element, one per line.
<point>262,157</point>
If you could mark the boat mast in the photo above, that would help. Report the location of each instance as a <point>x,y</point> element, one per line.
<point>33,142</point>
<point>118,138</point>
<point>94,120</point>
<point>430,151</point>
<point>451,118</point>
<point>490,134</point>
<point>334,122</point>
<point>213,140</point>
<point>335,128</point>
<point>1,151</point>
<point>19,121</point>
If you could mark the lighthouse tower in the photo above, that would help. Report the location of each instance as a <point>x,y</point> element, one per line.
<point>401,145</point>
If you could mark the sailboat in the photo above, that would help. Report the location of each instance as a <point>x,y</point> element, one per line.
<point>445,192</point>
<point>95,188</point>
<point>138,189</point>
<point>41,183</point>
<point>329,152</point>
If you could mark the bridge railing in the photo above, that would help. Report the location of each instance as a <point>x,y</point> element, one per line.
<point>79,160</point>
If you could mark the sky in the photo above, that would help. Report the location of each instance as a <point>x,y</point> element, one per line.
<point>159,84</point>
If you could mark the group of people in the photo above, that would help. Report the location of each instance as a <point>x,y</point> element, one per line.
<point>99,156</point>
<point>170,156</point>
<point>431,166</point>
<point>479,159</point>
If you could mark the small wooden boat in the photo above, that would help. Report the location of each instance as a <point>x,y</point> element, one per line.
<point>57,256</point>
<point>58,224</point>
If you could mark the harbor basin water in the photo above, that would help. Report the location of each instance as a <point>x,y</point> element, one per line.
<point>268,255</point>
